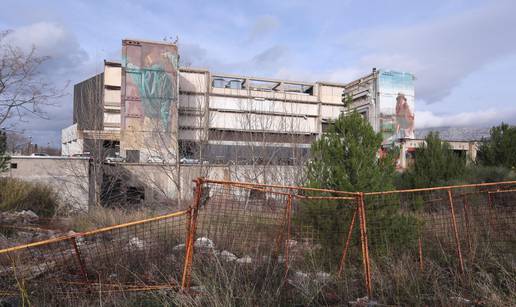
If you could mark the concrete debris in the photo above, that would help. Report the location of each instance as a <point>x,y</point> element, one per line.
<point>228,256</point>
<point>21,217</point>
<point>204,242</point>
<point>28,216</point>
<point>136,243</point>
<point>363,302</point>
<point>245,260</point>
<point>179,247</point>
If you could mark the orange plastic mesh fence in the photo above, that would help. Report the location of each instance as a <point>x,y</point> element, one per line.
<point>299,233</point>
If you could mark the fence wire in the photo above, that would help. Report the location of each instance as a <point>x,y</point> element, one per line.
<point>302,235</point>
<point>137,253</point>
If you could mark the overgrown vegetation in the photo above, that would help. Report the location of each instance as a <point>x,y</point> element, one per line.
<point>17,195</point>
<point>436,164</point>
<point>500,148</point>
<point>347,158</point>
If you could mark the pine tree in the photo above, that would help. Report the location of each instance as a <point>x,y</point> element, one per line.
<point>435,164</point>
<point>500,148</point>
<point>346,158</point>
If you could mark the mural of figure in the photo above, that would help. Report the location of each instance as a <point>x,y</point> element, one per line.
<point>404,118</point>
<point>155,85</point>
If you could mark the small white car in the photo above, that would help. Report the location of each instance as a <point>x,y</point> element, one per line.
<point>116,159</point>
<point>188,161</point>
<point>155,159</point>
<point>40,154</point>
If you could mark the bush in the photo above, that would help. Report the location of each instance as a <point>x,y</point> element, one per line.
<point>17,195</point>
<point>481,174</point>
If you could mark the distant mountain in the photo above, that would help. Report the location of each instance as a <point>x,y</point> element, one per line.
<point>455,134</point>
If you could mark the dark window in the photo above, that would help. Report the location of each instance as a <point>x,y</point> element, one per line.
<point>14,165</point>
<point>133,156</point>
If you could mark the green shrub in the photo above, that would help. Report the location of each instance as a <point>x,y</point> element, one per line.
<point>17,195</point>
<point>481,174</point>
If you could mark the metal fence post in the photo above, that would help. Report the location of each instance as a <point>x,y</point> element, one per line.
<point>82,267</point>
<point>455,231</point>
<point>342,262</point>
<point>364,243</point>
<point>190,236</point>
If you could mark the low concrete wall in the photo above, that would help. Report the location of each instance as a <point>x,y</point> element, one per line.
<point>67,176</point>
<point>80,183</point>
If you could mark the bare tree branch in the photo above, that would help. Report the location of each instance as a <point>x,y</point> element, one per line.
<point>23,89</point>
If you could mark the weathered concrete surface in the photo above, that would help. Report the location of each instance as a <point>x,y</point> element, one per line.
<point>81,183</point>
<point>67,176</point>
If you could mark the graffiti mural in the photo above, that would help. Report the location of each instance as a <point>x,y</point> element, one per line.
<point>149,96</point>
<point>396,101</point>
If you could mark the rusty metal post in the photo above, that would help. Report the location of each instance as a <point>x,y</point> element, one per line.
<point>364,243</point>
<point>289,224</point>
<point>342,262</point>
<point>82,267</point>
<point>191,227</point>
<point>455,231</point>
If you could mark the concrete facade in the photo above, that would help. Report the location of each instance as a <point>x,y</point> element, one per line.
<point>82,183</point>
<point>70,177</point>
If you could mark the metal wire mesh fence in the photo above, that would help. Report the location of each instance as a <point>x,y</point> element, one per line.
<point>117,255</point>
<point>300,234</point>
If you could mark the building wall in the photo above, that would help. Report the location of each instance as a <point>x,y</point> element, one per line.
<point>88,105</point>
<point>68,177</point>
<point>149,90</point>
<point>112,95</point>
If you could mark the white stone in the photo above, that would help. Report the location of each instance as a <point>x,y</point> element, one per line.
<point>245,260</point>
<point>28,215</point>
<point>135,242</point>
<point>179,247</point>
<point>204,242</point>
<point>228,256</point>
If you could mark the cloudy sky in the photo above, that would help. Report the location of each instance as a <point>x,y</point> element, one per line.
<point>463,52</point>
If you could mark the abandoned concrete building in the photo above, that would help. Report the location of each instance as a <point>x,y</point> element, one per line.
<point>148,109</point>
<point>149,126</point>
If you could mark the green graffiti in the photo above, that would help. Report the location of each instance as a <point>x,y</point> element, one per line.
<point>156,89</point>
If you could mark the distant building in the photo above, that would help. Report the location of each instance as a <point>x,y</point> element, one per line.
<point>147,108</point>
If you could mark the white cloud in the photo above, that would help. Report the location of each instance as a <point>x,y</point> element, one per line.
<point>427,119</point>
<point>52,40</point>
<point>442,52</point>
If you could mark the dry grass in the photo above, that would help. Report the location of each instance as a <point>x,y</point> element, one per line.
<point>98,217</point>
